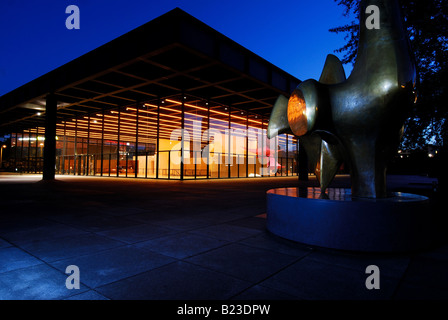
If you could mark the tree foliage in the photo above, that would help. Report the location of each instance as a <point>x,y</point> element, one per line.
<point>427,26</point>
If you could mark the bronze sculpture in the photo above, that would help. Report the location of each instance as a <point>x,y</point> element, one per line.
<point>358,120</point>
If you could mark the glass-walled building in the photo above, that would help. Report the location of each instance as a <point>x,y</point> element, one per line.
<point>177,137</point>
<point>172,99</point>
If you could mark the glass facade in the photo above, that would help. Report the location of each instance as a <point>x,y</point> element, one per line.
<point>177,137</point>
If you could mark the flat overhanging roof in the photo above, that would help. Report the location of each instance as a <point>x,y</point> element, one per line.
<point>171,54</point>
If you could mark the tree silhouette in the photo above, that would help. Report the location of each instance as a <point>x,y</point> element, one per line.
<point>426,23</point>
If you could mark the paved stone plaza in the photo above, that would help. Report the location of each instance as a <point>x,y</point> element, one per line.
<point>188,240</point>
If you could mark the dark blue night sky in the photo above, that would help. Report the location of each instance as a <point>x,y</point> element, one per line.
<point>292,35</point>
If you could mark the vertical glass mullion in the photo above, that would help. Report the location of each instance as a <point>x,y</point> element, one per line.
<point>146,162</point>
<point>136,164</point>
<point>37,149</point>
<point>118,142</point>
<point>15,150</point>
<point>287,154</point>
<point>64,145</point>
<point>102,144</point>
<point>247,145</point>
<point>21,151</point>
<point>182,153</point>
<point>262,147</point>
<point>88,146</point>
<point>208,138</point>
<point>229,140</point>
<point>29,153</point>
<point>75,149</point>
<point>158,139</point>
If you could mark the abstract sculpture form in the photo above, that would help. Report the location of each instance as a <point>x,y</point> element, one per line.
<point>359,120</point>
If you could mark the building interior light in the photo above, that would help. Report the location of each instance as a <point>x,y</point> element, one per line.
<point>158,121</point>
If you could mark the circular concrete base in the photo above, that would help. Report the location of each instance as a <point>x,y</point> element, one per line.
<point>399,223</point>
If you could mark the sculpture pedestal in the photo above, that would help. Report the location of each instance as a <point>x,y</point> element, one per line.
<point>399,223</point>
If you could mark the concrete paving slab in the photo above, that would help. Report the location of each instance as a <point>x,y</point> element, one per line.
<point>138,233</point>
<point>258,292</point>
<point>184,223</point>
<point>111,265</point>
<point>120,211</point>
<point>389,265</point>
<point>420,292</point>
<point>427,273</point>
<point>39,282</point>
<point>227,232</point>
<point>88,295</point>
<point>312,280</point>
<point>51,250</point>
<point>181,245</point>
<point>438,252</point>
<point>12,258</point>
<point>20,224</point>
<point>93,222</point>
<point>176,281</point>
<point>4,244</point>
<point>49,230</point>
<point>243,262</point>
<point>251,222</point>
<point>214,216</point>
<point>268,241</point>
<point>164,214</point>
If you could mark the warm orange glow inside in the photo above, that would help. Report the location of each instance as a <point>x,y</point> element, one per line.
<point>122,125</point>
<point>297,113</point>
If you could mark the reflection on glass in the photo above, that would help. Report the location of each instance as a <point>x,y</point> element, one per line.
<point>177,137</point>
